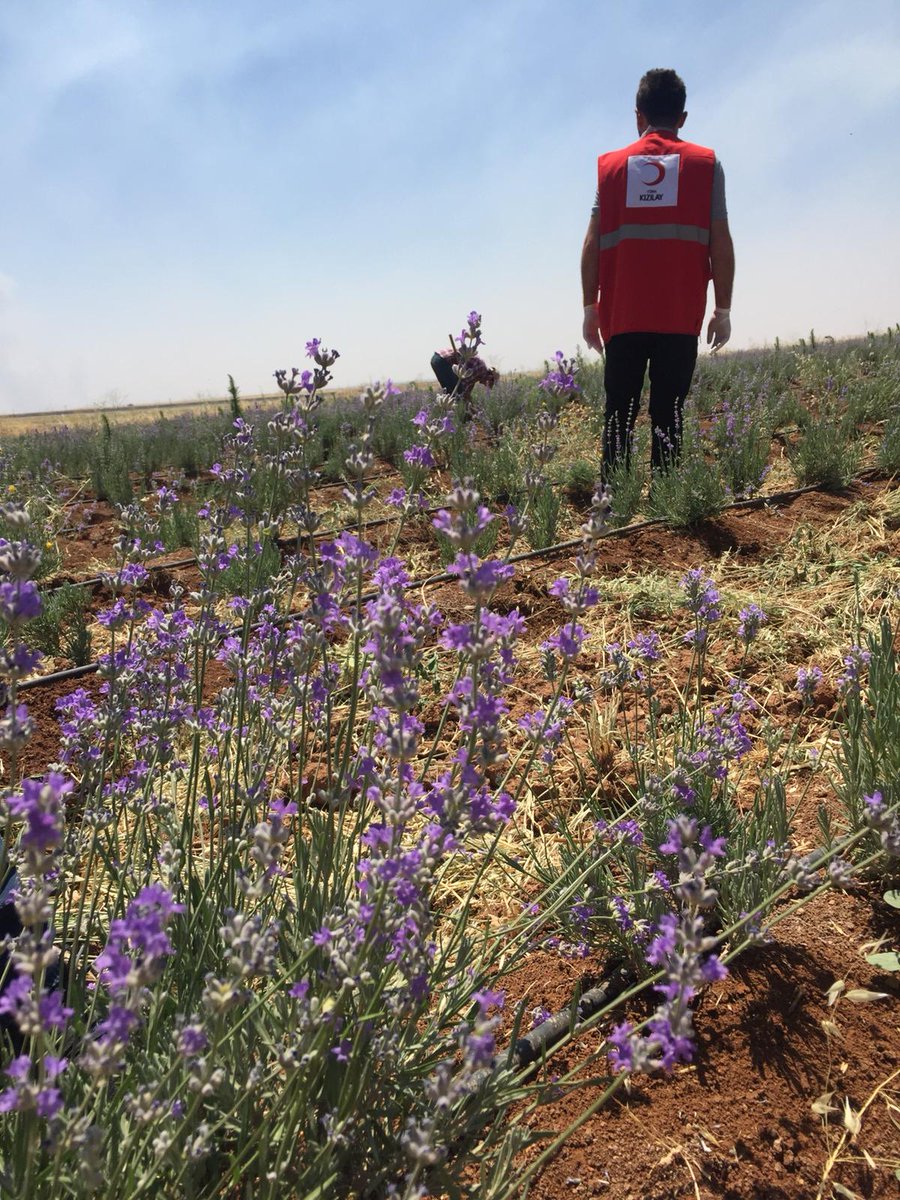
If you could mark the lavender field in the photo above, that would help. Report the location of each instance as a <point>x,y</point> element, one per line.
<point>392,810</point>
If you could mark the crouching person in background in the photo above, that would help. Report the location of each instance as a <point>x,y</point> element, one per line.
<point>459,381</point>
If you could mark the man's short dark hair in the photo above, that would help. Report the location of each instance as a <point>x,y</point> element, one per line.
<point>661,96</point>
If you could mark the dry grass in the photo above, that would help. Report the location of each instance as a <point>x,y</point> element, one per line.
<point>13,424</point>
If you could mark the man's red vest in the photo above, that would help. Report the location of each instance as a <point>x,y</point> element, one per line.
<point>655,214</point>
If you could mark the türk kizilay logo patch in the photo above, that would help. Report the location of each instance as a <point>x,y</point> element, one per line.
<point>652,181</point>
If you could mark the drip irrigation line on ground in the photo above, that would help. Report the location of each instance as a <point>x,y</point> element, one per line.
<point>283,543</point>
<point>319,487</point>
<point>528,555</point>
<point>390,470</point>
<point>636,527</point>
<point>534,1046</point>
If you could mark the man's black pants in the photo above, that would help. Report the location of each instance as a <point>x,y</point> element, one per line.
<point>672,358</point>
<point>446,376</point>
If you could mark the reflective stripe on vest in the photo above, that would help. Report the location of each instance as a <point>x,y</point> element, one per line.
<point>679,233</point>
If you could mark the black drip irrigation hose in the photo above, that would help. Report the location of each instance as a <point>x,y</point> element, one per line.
<point>528,555</point>
<point>283,543</point>
<point>319,487</point>
<point>90,668</point>
<point>287,542</point>
<point>637,526</point>
<point>534,1046</point>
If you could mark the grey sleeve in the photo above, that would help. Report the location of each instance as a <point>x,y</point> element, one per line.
<point>596,209</point>
<point>719,209</point>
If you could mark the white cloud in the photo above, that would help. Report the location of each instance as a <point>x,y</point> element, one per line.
<point>54,48</point>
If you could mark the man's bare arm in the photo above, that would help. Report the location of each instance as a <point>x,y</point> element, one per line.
<point>721,261</point>
<point>590,262</point>
<point>590,282</point>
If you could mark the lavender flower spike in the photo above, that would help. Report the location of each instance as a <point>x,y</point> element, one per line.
<point>683,951</point>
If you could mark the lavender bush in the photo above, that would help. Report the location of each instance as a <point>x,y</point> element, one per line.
<point>689,488</point>
<point>889,446</point>
<point>228,901</point>
<point>742,435</point>
<point>828,451</point>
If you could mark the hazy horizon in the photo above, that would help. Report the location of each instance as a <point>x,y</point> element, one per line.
<point>427,379</point>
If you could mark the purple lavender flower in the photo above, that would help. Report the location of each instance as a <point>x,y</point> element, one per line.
<point>751,619</point>
<point>539,1015</point>
<point>419,456</point>
<point>840,873</point>
<point>192,1041</point>
<point>626,830</point>
<point>692,886</point>
<point>166,499</point>
<point>575,600</point>
<point>682,950</point>
<point>808,681</point>
<point>540,730</point>
<point>477,1040</point>
<point>645,646</point>
<point>702,600</point>
<point>342,1050</point>
<point>622,913</point>
<point>721,743</point>
<point>18,560</point>
<point>701,596</point>
<point>40,805</point>
<point>28,1096</point>
<point>568,641</point>
<point>560,380</point>
<point>18,661</point>
<point>34,1014</point>
<point>479,578</point>
<point>622,671</point>
<point>487,999</point>
<point>138,942</point>
<point>465,519</point>
<point>884,819</point>
<point>874,804</point>
<point>19,601</point>
<point>855,660</point>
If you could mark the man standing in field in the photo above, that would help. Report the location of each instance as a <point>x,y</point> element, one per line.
<point>658,233</point>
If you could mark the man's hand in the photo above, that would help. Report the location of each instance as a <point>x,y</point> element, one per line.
<point>718,331</point>
<point>590,330</point>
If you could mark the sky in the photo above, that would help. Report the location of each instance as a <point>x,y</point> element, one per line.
<point>196,188</point>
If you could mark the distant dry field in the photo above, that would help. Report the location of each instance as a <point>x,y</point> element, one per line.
<point>13,424</point>
<point>463,839</point>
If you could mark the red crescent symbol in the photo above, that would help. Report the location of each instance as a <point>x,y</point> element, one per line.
<point>653,182</point>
